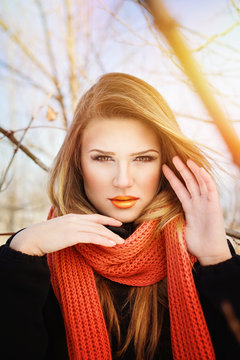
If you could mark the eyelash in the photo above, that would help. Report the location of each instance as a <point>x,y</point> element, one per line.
<point>146,158</point>
<point>103,158</point>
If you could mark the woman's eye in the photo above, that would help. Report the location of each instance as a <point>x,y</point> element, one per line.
<point>144,158</point>
<point>102,158</point>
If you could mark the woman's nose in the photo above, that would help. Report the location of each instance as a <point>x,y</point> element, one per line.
<point>123,178</point>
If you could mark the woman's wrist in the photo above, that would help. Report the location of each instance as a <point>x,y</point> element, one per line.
<point>20,243</point>
<point>216,259</point>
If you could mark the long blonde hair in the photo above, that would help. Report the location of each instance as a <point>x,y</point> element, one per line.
<point>122,95</point>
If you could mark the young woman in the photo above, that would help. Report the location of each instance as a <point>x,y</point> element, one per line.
<point>135,243</point>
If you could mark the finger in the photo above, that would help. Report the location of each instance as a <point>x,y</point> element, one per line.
<point>201,182</point>
<point>98,229</point>
<point>88,223</point>
<point>210,184</point>
<point>98,240</point>
<point>187,176</point>
<point>105,220</point>
<point>178,187</point>
<point>104,231</point>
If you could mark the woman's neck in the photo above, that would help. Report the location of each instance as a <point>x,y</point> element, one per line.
<point>125,230</point>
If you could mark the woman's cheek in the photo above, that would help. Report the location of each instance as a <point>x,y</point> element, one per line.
<point>96,178</point>
<point>151,180</point>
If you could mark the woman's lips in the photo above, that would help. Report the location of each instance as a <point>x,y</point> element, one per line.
<point>124,202</point>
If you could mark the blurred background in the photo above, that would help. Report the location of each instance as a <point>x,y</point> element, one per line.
<point>52,51</point>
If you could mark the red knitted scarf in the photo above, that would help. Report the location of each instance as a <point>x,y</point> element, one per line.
<point>142,260</point>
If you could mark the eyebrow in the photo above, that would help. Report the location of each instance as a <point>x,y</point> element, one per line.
<point>133,154</point>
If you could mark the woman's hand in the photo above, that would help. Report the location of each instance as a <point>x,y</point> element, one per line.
<point>204,233</point>
<point>64,231</point>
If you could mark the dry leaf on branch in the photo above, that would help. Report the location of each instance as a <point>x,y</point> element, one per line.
<point>51,114</point>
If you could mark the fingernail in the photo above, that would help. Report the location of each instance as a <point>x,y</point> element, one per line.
<point>111,243</point>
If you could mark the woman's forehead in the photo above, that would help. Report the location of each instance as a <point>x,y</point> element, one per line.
<point>116,132</point>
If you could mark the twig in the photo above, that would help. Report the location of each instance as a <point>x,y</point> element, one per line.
<point>169,28</point>
<point>194,117</point>
<point>233,233</point>
<point>11,137</point>
<point>20,146</point>
<point>37,127</point>
<point>71,54</point>
<point>25,49</point>
<point>52,62</point>
<point>235,7</point>
<point>154,33</point>
<point>220,43</point>
<point>6,234</point>
<point>126,25</point>
<point>216,36</point>
<point>24,77</point>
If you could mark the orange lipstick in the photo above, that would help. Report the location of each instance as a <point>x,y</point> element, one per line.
<point>124,202</point>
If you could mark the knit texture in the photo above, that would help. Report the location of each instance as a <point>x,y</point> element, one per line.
<point>144,259</point>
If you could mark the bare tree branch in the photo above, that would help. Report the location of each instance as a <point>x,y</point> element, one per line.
<point>155,35</point>
<point>71,54</point>
<point>233,233</point>
<point>52,61</point>
<point>216,36</point>
<point>31,56</point>
<point>18,144</point>
<point>194,117</point>
<point>14,154</point>
<point>194,32</point>
<point>25,77</point>
<point>36,127</point>
<point>126,25</point>
<point>7,234</point>
<point>25,49</point>
<point>11,137</point>
<point>168,27</point>
<point>97,50</point>
<point>235,7</point>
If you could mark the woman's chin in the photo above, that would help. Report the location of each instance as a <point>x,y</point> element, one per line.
<point>125,215</point>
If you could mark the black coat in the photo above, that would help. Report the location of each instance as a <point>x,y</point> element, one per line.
<point>31,324</point>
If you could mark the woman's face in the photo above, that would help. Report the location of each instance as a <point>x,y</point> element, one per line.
<point>121,165</point>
